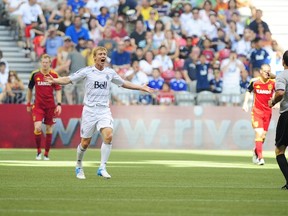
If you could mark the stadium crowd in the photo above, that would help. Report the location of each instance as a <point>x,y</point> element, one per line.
<point>176,46</point>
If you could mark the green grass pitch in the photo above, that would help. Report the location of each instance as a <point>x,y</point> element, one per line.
<point>143,183</point>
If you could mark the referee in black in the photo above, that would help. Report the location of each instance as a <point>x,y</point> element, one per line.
<point>281,140</point>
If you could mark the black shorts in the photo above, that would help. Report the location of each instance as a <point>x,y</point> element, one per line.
<point>282,130</point>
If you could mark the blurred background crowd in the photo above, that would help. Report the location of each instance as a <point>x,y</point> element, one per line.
<point>192,51</point>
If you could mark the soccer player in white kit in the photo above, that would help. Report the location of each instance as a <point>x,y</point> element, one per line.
<point>96,115</point>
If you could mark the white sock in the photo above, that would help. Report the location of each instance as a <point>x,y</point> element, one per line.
<point>80,155</point>
<point>105,153</point>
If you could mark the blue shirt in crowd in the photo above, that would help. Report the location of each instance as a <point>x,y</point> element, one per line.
<point>218,85</point>
<point>120,58</point>
<point>202,77</point>
<point>178,85</point>
<point>102,19</point>
<point>83,33</point>
<point>75,5</point>
<point>259,57</point>
<point>156,83</point>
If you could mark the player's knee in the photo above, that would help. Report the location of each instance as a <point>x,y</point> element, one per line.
<point>108,138</point>
<point>37,131</point>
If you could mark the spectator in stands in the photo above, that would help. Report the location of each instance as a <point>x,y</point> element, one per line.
<point>232,8</point>
<point>6,63</point>
<point>108,42</point>
<point>14,89</point>
<point>211,27</point>
<point>165,62</point>
<point>81,44</point>
<point>62,64</point>
<point>138,55</point>
<point>202,69</point>
<point>67,20</point>
<point>75,5</point>
<point>207,51</point>
<point>52,40</point>
<point>258,20</point>
<point>57,16</point>
<point>112,5</point>
<point>3,77</point>
<point>103,16</point>
<point>194,26</point>
<point>151,22</point>
<point>156,81</point>
<point>76,30</point>
<point>28,13</point>
<point>95,31</point>
<point>159,34</point>
<point>231,69</point>
<point>171,44</point>
<point>163,9</point>
<point>131,47</point>
<point>189,69</point>
<point>231,34</point>
<point>206,10</point>
<point>243,46</point>
<point>165,96</point>
<point>74,93</point>
<point>220,9</point>
<point>239,24</point>
<point>178,83</point>
<point>94,8</point>
<point>125,5</point>
<point>186,15</point>
<point>244,81</point>
<point>259,56</point>
<point>139,34</point>
<point>88,54</point>
<point>149,63</point>
<point>216,84</point>
<point>119,32</point>
<point>120,59</point>
<point>144,10</point>
<point>175,24</point>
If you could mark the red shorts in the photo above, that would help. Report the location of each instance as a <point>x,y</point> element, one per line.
<point>261,119</point>
<point>27,31</point>
<point>47,114</point>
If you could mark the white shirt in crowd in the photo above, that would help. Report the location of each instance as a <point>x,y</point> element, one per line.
<point>97,84</point>
<point>30,13</point>
<point>94,6</point>
<point>165,62</point>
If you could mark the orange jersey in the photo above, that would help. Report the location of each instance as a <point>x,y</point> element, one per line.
<point>44,91</point>
<point>263,92</point>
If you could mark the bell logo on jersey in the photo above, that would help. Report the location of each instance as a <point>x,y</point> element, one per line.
<point>100,85</point>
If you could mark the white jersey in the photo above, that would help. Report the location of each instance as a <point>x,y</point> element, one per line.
<point>97,84</point>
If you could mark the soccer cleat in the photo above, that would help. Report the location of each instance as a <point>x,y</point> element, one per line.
<point>103,173</point>
<point>285,187</point>
<point>46,158</point>
<point>39,156</point>
<point>80,173</point>
<point>261,161</point>
<point>255,158</point>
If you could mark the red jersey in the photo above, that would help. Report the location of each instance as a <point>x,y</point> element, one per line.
<point>263,92</point>
<point>44,94</point>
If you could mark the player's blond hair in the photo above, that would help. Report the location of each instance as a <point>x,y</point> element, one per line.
<point>45,56</point>
<point>99,48</point>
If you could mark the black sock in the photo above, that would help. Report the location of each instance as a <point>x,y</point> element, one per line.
<point>282,162</point>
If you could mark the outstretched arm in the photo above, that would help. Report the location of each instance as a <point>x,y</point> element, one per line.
<point>60,80</point>
<point>130,85</point>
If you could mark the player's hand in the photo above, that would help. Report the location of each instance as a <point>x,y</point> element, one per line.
<point>148,89</point>
<point>245,107</point>
<point>58,110</point>
<point>49,79</point>
<point>270,104</point>
<point>28,108</point>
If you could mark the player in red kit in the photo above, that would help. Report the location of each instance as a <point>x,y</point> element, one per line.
<point>263,88</point>
<point>44,107</point>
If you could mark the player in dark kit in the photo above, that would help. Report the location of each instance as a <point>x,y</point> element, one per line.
<point>281,140</point>
<point>263,88</point>
<point>44,107</point>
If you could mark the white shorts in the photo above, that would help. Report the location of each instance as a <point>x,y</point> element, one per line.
<point>94,119</point>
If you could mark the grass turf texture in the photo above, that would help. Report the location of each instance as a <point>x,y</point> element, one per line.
<point>160,183</point>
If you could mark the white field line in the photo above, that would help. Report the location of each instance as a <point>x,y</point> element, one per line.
<point>167,163</point>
